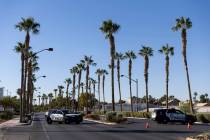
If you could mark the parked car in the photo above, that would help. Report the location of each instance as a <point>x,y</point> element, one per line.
<point>172,115</point>
<point>49,112</point>
<point>64,116</point>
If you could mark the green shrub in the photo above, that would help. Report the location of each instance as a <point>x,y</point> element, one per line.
<point>205,117</point>
<point>115,117</point>
<point>92,116</point>
<point>6,115</point>
<point>185,108</point>
<point>137,114</point>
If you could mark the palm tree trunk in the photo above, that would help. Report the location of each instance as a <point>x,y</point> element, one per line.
<point>67,95</point>
<point>79,81</point>
<point>129,69</point>
<point>103,92</point>
<point>118,78</point>
<point>39,100</point>
<point>94,95</point>
<point>146,80</point>
<point>184,53</point>
<point>22,89</point>
<point>29,87</point>
<point>87,77</point>
<point>99,93</point>
<point>73,91</point>
<point>112,45</point>
<point>167,79</point>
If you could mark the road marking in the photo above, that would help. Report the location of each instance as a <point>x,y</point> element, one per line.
<point>45,131</point>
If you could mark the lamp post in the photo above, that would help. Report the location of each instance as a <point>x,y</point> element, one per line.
<point>137,94</point>
<point>43,76</point>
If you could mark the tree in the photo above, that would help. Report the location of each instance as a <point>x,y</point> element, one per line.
<point>80,68</point>
<point>73,71</point>
<point>195,97</point>
<point>184,24</point>
<point>104,73</point>
<point>146,52</point>
<point>50,96</point>
<point>130,55</point>
<point>119,57</point>
<point>68,82</point>
<point>60,90</point>
<point>94,89</point>
<point>20,48</point>
<point>202,98</point>
<point>109,28</point>
<point>87,61</point>
<point>85,100</point>
<point>39,97</point>
<point>99,73</point>
<point>55,92</point>
<point>167,51</point>
<point>27,25</point>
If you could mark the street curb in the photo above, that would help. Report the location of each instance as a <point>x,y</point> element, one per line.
<point>202,123</point>
<point>137,118</point>
<point>106,123</point>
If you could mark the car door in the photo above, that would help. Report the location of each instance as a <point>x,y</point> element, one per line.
<point>59,115</point>
<point>180,116</point>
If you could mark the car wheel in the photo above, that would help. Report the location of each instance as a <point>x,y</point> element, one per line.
<point>77,122</point>
<point>67,121</point>
<point>49,121</point>
<point>165,120</point>
<point>60,122</point>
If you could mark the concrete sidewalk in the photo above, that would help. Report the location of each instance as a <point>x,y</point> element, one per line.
<point>11,123</point>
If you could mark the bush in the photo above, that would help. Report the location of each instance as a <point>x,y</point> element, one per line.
<point>185,108</point>
<point>115,117</point>
<point>205,118</point>
<point>137,114</point>
<point>6,115</point>
<point>92,116</point>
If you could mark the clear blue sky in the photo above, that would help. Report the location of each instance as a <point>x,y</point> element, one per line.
<point>71,27</point>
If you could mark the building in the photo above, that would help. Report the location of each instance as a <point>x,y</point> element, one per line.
<point>1,92</point>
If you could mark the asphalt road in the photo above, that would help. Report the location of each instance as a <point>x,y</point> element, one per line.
<point>133,130</point>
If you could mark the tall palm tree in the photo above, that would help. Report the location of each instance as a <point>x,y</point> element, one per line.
<point>119,57</point>
<point>93,82</point>
<point>20,48</point>
<point>130,55</point>
<point>44,96</point>
<point>109,28</point>
<point>184,24</point>
<point>73,71</point>
<point>27,25</point>
<point>39,96</point>
<point>99,73</point>
<point>80,68</point>
<point>167,51</point>
<point>55,92</point>
<point>50,96</point>
<point>104,73</point>
<point>82,86</point>
<point>87,61</point>
<point>68,82</point>
<point>195,96</point>
<point>146,52</point>
<point>206,96</point>
<point>60,90</point>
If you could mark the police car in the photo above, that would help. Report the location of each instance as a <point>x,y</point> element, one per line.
<point>64,116</point>
<point>172,115</point>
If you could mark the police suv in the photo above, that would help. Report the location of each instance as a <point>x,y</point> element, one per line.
<point>172,115</point>
<point>64,116</point>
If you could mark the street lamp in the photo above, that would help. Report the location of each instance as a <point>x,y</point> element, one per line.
<point>137,94</point>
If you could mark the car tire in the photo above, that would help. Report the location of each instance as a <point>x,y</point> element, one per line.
<point>77,122</point>
<point>49,121</point>
<point>67,121</point>
<point>165,120</point>
<point>60,122</point>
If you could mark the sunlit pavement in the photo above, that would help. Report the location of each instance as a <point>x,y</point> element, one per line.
<point>133,130</point>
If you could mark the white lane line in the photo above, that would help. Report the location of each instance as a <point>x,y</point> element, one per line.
<point>45,131</point>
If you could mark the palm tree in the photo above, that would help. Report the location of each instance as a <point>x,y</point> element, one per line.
<point>109,28</point>
<point>206,96</point>
<point>60,90</point>
<point>68,82</point>
<point>119,57</point>
<point>20,48</point>
<point>146,52</point>
<point>88,61</point>
<point>167,51</point>
<point>184,24</point>
<point>44,96</point>
<point>55,92</point>
<point>80,68</point>
<point>99,73</point>
<point>39,96</point>
<point>94,90</point>
<point>104,73</point>
<point>50,96</point>
<point>73,71</point>
<point>195,96</point>
<point>27,25</point>
<point>130,55</point>
<point>82,86</point>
